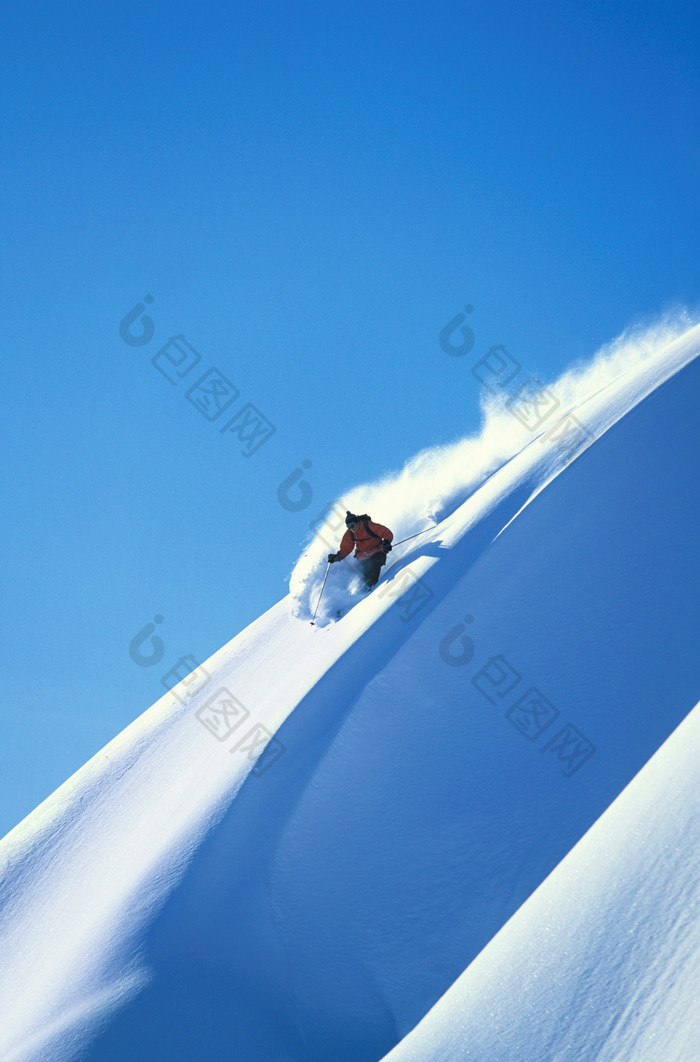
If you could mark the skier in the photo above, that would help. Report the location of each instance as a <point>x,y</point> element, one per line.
<point>372,542</point>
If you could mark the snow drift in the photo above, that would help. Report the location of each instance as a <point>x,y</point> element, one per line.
<point>295,853</point>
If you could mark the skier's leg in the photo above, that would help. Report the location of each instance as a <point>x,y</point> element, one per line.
<point>372,568</point>
<point>366,573</point>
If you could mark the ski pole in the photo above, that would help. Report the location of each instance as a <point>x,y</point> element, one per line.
<point>321,594</point>
<point>431,528</point>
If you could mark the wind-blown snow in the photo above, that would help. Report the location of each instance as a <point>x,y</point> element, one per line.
<point>437,481</point>
<point>183,897</point>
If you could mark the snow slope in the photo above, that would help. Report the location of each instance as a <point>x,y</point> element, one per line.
<point>432,756</point>
<point>603,961</point>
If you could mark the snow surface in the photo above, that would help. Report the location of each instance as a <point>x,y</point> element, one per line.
<point>180,899</point>
<point>603,961</point>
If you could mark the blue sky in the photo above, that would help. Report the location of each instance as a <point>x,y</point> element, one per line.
<point>309,193</point>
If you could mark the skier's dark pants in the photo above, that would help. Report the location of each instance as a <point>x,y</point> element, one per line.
<point>371,567</point>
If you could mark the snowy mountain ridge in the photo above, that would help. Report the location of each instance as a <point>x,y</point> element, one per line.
<point>187,891</point>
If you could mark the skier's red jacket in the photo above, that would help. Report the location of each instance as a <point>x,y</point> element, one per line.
<point>366,545</point>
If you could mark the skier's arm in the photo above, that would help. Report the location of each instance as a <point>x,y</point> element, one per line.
<point>381,532</point>
<point>346,544</point>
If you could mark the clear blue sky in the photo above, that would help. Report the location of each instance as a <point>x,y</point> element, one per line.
<point>309,192</point>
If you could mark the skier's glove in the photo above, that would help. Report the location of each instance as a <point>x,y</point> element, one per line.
<point>332,557</point>
<point>386,545</point>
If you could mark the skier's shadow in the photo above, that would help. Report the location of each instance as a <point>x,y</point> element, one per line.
<point>432,549</point>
